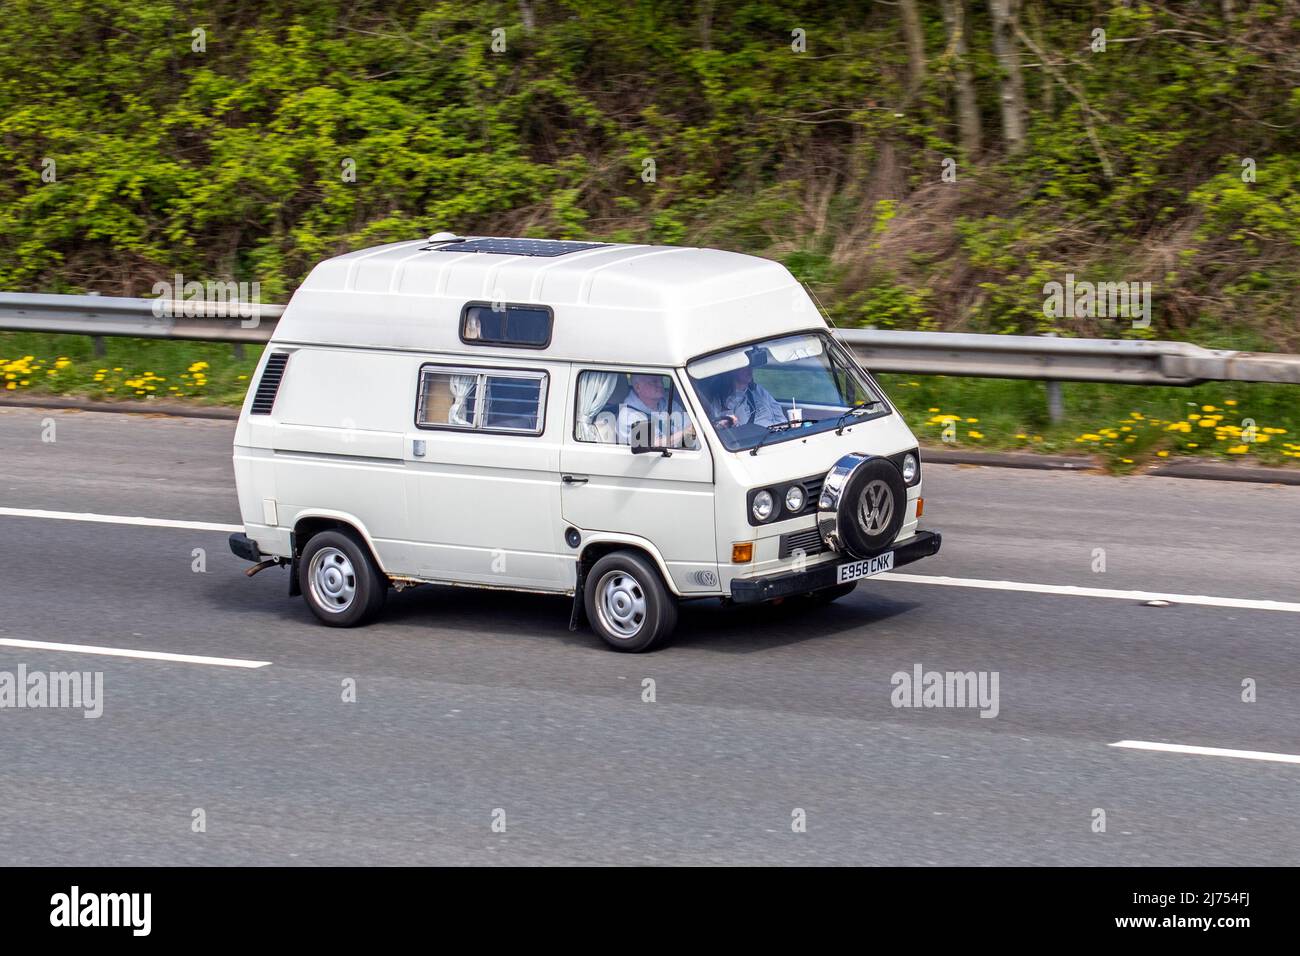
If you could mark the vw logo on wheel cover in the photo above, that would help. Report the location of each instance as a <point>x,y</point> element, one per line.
<point>875,507</point>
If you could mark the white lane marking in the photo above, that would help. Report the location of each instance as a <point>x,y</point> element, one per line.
<point>119,519</point>
<point>127,652</point>
<point>1206,751</point>
<point>1066,589</point>
<point>1075,591</point>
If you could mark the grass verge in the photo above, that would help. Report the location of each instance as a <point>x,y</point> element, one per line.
<point>1127,426</point>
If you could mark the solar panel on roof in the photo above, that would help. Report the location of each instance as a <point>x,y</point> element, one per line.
<point>518,247</point>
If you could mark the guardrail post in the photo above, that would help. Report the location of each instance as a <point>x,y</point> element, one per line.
<point>1055,404</point>
<point>97,341</point>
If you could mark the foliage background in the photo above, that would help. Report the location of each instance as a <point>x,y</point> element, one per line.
<point>226,164</point>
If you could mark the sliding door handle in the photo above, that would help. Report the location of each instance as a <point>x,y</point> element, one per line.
<point>574,480</point>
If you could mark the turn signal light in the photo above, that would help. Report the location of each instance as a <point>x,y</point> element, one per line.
<point>742,553</point>
<point>920,507</point>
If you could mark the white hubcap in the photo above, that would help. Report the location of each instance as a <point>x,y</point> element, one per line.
<point>620,602</point>
<point>333,581</point>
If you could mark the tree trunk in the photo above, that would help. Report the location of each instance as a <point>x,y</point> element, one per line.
<point>1012,94</point>
<point>968,114</point>
<point>706,25</point>
<point>915,46</point>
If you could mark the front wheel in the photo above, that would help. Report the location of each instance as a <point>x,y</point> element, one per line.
<point>339,579</point>
<point>627,602</point>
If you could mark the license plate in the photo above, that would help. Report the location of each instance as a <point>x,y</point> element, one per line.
<point>865,568</point>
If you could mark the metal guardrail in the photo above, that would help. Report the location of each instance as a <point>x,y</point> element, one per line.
<point>1129,362</point>
<point>109,315</point>
<point>1132,362</point>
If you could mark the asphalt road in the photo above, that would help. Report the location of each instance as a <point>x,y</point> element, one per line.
<point>471,702</point>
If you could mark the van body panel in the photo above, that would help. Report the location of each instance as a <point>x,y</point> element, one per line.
<point>661,305</point>
<point>485,507</point>
<point>667,499</point>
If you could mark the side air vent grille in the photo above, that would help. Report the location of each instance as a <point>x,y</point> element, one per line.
<point>269,385</point>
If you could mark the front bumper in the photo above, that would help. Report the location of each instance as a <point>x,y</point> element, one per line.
<point>753,590</point>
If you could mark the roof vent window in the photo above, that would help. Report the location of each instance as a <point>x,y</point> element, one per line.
<point>520,326</point>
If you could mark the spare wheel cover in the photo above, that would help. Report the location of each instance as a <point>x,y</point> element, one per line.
<point>862,505</point>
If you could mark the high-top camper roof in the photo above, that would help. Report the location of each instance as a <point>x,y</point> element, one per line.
<point>612,302</point>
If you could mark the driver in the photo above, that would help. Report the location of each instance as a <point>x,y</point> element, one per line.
<point>645,412</point>
<point>747,402</point>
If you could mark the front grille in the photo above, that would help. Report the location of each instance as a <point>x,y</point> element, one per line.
<point>809,541</point>
<point>812,490</point>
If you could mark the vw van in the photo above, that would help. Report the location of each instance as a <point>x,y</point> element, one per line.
<point>635,426</point>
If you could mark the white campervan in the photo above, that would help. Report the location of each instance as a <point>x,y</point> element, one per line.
<point>631,425</point>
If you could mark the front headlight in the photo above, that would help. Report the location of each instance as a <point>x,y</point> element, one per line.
<point>762,507</point>
<point>909,468</point>
<point>794,499</point>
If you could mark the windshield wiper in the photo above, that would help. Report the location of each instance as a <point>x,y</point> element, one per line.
<point>857,409</point>
<point>779,427</point>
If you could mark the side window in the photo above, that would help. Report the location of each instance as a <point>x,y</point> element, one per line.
<point>495,400</point>
<point>616,408</point>
<point>512,403</point>
<point>524,326</point>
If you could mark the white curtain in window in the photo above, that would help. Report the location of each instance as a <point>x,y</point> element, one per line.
<point>461,386</point>
<point>594,390</point>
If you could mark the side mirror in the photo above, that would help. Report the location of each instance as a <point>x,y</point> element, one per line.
<point>639,447</point>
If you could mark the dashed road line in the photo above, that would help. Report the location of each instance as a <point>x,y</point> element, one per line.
<point>128,652</point>
<point>1206,751</point>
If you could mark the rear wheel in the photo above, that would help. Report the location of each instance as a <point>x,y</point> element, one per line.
<point>339,579</point>
<point>628,604</point>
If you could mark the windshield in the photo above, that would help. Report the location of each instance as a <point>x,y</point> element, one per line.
<point>782,388</point>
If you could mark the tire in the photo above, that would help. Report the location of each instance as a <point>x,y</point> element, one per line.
<point>628,604</point>
<point>339,579</point>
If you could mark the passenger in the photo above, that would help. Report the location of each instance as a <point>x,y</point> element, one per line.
<point>645,412</point>
<point>747,402</point>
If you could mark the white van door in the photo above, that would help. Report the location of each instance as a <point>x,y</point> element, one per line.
<point>483,461</point>
<point>666,500</point>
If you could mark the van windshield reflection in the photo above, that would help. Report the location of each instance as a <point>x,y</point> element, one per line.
<point>782,388</point>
